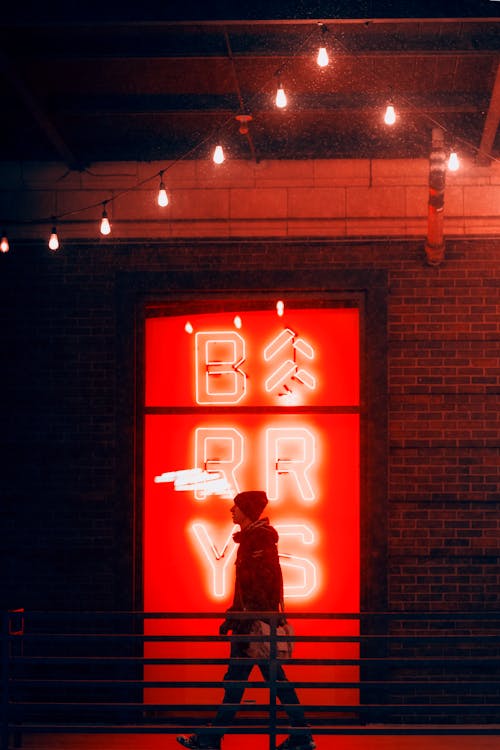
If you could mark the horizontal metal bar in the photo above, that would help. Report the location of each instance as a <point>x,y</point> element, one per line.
<point>444,729</point>
<point>425,682</point>
<point>137,637</point>
<point>392,615</point>
<point>435,661</point>
<point>260,707</point>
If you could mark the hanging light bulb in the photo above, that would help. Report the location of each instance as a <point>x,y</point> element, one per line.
<point>280,308</point>
<point>105,225</point>
<point>188,327</point>
<point>162,193</point>
<point>4,244</point>
<point>322,58</point>
<point>237,321</point>
<point>54,239</point>
<point>218,156</point>
<point>390,114</point>
<point>453,161</point>
<point>281,100</point>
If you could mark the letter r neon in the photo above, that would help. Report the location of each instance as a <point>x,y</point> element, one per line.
<point>290,450</point>
<point>218,449</point>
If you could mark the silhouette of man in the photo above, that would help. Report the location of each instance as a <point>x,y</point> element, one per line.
<point>258,587</point>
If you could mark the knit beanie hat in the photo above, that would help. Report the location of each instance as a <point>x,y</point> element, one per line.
<point>252,503</point>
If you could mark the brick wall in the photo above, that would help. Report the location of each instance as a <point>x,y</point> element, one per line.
<point>444,432</point>
<point>67,531</point>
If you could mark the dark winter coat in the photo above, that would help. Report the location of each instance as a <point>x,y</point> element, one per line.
<point>259,582</point>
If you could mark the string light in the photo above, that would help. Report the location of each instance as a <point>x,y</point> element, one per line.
<point>281,100</point>
<point>453,161</point>
<point>322,59</point>
<point>390,114</point>
<point>237,321</point>
<point>218,156</point>
<point>162,193</point>
<point>188,327</point>
<point>280,308</point>
<point>53,240</point>
<point>105,225</point>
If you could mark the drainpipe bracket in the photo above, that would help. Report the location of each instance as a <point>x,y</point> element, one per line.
<point>434,253</point>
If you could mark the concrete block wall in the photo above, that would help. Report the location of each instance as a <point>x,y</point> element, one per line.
<point>316,198</point>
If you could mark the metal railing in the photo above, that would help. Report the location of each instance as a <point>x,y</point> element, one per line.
<point>135,672</point>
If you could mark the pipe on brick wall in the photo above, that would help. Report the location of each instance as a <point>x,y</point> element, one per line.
<point>434,244</point>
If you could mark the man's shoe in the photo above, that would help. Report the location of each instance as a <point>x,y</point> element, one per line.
<point>193,743</point>
<point>299,742</point>
<point>190,742</point>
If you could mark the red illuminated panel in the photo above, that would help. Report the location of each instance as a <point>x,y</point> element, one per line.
<point>318,517</point>
<point>308,463</point>
<point>310,357</point>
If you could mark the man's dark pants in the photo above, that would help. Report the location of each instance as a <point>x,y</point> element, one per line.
<point>240,671</point>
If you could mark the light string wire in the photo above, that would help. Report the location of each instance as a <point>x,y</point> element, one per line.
<point>56,219</point>
<point>215,132</point>
<point>415,109</point>
<point>211,137</point>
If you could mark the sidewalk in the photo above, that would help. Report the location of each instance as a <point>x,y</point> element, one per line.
<point>260,742</point>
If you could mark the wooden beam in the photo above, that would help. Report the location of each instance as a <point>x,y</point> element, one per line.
<point>37,112</point>
<point>490,124</point>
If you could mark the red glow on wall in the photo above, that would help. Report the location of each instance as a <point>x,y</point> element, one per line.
<point>221,416</point>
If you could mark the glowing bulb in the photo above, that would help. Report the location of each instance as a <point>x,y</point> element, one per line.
<point>453,162</point>
<point>322,58</point>
<point>105,225</point>
<point>188,327</point>
<point>280,307</point>
<point>237,321</point>
<point>390,115</point>
<point>162,195</point>
<point>54,240</point>
<point>4,244</point>
<point>281,100</point>
<point>218,155</point>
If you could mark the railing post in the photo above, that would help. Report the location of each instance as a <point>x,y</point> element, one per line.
<point>273,689</point>
<point>5,681</point>
<point>373,632</point>
<point>12,624</point>
<point>16,628</point>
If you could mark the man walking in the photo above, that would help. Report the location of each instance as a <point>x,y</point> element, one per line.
<point>258,587</point>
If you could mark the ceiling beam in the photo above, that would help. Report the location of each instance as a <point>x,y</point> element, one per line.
<point>37,112</point>
<point>225,104</point>
<point>277,56</point>
<point>491,124</point>
<point>24,20</point>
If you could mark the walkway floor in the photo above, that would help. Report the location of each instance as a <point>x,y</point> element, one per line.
<point>259,742</point>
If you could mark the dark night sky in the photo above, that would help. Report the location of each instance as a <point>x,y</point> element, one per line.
<point>167,10</point>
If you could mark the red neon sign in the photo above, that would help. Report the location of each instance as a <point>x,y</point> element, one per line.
<point>315,353</point>
<point>221,416</point>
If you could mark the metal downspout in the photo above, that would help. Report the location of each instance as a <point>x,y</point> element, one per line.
<point>434,244</point>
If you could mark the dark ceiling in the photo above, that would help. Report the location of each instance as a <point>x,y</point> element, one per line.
<point>114,86</point>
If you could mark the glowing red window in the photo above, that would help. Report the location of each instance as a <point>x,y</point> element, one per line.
<point>269,403</point>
